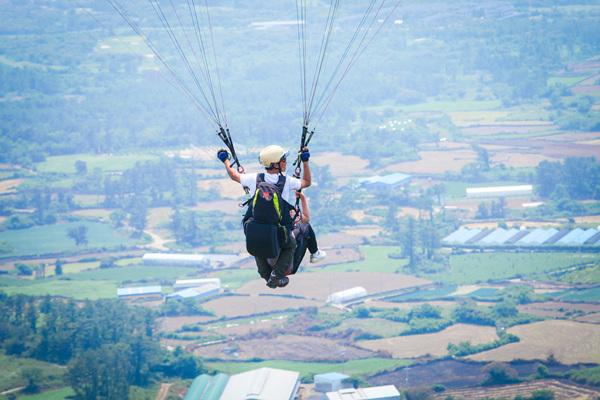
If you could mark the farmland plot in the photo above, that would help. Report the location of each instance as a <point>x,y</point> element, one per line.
<point>434,344</point>
<point>562,391</point>
<point>570,343</point>
<point>319,285</point>
<point>285,347</point>
<point>237,306</point>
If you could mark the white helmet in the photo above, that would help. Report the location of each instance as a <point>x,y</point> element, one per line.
<point>271,155</point>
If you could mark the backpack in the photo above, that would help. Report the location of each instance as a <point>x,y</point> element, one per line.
<point>267,219</point>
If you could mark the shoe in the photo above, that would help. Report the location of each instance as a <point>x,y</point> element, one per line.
<point>318,256</point>
<point>275,282</point>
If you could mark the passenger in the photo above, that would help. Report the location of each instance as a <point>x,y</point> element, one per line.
<point>273,249</point>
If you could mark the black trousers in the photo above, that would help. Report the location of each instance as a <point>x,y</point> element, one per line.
<point>283,263</point>
<point>305,239</point>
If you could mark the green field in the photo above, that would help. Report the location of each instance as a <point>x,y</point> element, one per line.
<point>459,105</point>
<point>134,273</point>
<point>588,276</point>
<point>365,367</point>
<point>481,267</point>
<point>58,394</point>
<point>92,290</point>
<point>375,260</point>
<point>592,295</point>
<point>235,278</point>
<point>565,80</point>
<point>66,164</point>
<point>374,326</point>
<point>12,366</point>
<point>51,239</point>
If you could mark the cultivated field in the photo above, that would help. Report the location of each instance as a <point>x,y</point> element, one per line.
<point>9,185</point>
<point>435,162</point>
<point>537,343</point>
<point>370,259</point>
<point>229,207</point>
<point>374,326</point>
<point>562,391</point>
<point>285,347</point>
<point>106,162</point>
<point>237,306</point>
<point>171,324</point>
<point>318,285</point>
<point>352,165</point>
<point>557,309</point>
<point>434,344</point>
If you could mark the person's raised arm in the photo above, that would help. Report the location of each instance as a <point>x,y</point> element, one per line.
<point>305,209</point>
<point>223,155</point>
<point>306,175</point>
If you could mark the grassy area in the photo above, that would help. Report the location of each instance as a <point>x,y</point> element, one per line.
<point>58,394</point>
<point>459,105</point>
<point>73,268</point>
<point>48,239</point>
<point>365,367</point>
<point>565,80</point>
<point>235,278</point>
<point>376,259</point>
<point>106,162</point>
<point>481,267</point>
<point>588,276</point>
<point>92,290</point>
<point>592,295</point>
<point>134,273</point>
<point>13,366</point>
<point>374,326</point>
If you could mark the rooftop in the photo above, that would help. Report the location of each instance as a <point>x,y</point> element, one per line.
<point>139,290</point>
<point>388,392</point>
<point>263,383</point>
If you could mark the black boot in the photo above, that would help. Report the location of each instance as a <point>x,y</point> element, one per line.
<point>275,282</point>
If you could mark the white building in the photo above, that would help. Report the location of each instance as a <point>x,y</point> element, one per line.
<point>388,392</point>
<point>345,296</point>
<point>140,292</point>
<point>500,191</point>
<point>194,292</point>
<point>174,259</point>
<point>386,182</point>
<point>330,382</point>
<point>262,384</point>
<point>192,283</point>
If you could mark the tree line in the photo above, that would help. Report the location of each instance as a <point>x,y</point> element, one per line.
<point>106,345</point>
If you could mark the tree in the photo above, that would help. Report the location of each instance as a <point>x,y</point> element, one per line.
<point>78,234</point>
<point>58,270</point>
<point>118,218</point>
<point>499,373</point>
<point>33,378</point>
<point>80,167</point>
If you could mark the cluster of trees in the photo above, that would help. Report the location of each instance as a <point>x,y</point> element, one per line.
<point>106,345</point>
<point>465,348</point>
<point>576,178</point>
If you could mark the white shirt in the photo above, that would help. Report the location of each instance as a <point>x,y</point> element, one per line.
<point>291,184</point>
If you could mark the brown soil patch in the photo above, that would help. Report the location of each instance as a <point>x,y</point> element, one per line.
<point>519,160</point>
<point>319,285</point>
<point>588,219</point>
<point>341,165</point>
<point>9,185</point>
<point>556,309</point>
<point>434,344</point>
<point>258,325</point>
<point>171,324</point>
<point>574,137</point>
<point>590,318</point>
<point>285,347</point>
<point>100,213</point>
<point>552,148</point>
<point>159,216</point>
<point>338,239</point>
<point>363,231</point>
<point>435,162</point>
<point>230,207</point>
<point>237,306</point>
<point>562,391</point>
<point>585,89</point>
<point>226,187</point>
<point>570,343</point>
<point>468,118</point>
<point>509,128</point>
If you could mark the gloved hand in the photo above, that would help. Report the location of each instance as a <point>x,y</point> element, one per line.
<point>222,155</point>
<point>305,154</point>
